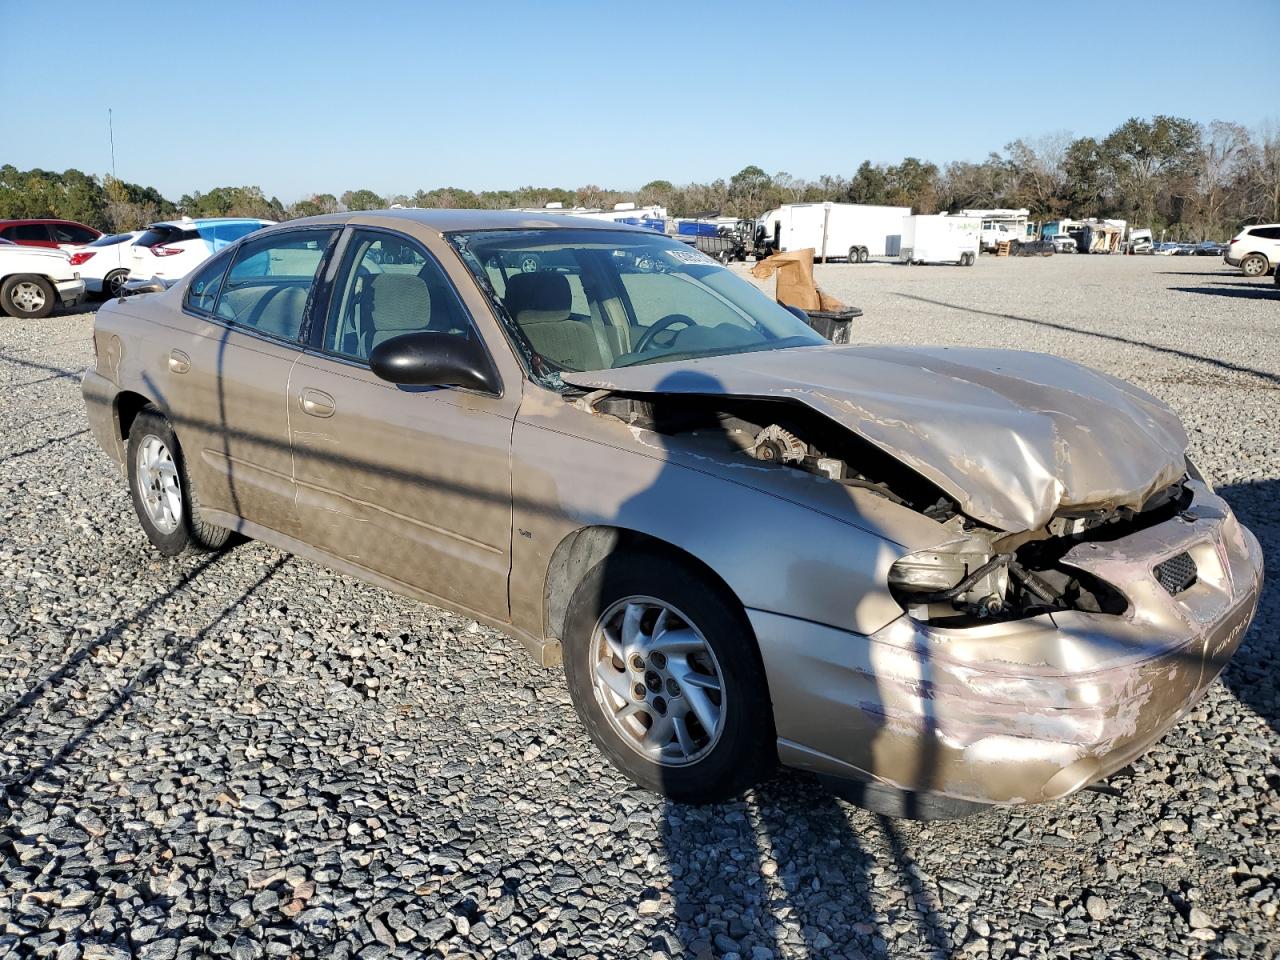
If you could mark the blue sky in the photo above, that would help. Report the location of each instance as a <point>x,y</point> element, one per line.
<point>325,96</point>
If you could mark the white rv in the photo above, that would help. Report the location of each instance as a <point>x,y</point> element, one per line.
<point>939,238</point>
<point>845,231</point>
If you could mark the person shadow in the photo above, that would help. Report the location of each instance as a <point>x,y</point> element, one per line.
<point>780,870</point>
<point>1253,674</point>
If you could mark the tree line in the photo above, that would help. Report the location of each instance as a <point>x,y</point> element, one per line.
<point>1194,181</point>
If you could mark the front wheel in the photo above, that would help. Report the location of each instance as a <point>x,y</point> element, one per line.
<point>666,677</point>
<point>27,297</point>
<point>1254,265</point>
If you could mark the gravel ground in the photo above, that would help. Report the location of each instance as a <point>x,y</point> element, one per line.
<point>250,755</point>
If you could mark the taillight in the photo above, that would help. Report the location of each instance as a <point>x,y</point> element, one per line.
<point>160,250</point>
<point>81,257</point>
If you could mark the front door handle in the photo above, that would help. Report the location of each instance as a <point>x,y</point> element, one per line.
<point>179,362</point>
<point>317,403</point>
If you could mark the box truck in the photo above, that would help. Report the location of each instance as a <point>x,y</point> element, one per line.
<point>939,238</point>
<point>836,231</point>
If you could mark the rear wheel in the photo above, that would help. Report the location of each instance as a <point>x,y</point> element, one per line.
<point>1254,265</point>
<point>529,263</point>
<point>1014,247</point>
<point>160,486</point>
<point>113,282</point>
<point>27,297</point>
<point>665,675</point>
<point>863,254</point>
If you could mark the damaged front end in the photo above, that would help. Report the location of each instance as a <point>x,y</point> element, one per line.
<point>1028,660</point>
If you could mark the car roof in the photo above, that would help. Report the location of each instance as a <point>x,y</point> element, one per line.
<point>447,221</point>
<point>208,222</point>
<point>10,220</point>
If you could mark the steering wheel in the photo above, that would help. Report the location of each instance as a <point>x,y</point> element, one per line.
<point>648,338</point>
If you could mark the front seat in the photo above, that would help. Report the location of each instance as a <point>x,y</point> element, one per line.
<point>541,304</point>
<point>392,304</point>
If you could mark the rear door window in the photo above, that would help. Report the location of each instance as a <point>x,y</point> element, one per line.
<point>202,292</point>
<point>71,233</point>
<point>269,283</point>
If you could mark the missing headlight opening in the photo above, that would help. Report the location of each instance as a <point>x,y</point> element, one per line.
<point>976,574</point>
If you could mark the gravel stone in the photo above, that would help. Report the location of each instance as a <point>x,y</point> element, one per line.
<point>246,755</point>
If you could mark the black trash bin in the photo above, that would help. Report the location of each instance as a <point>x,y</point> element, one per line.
<point>835,325</point>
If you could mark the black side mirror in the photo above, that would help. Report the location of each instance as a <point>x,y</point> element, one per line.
<point>435,360</point>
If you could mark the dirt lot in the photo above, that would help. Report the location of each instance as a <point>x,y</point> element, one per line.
<point>247,755</point>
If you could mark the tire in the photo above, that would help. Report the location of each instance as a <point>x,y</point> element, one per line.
<point>530,263</point>
<point>854,255</point>
<point>1254,265</point>
<point>112,283</point>
<point>28,297</point>
<point>163,496</point>
<point>863,254</point>
<point>694,764</point>
<point>1014,247</point>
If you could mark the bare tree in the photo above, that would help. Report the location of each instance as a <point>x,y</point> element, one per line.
<point>1224,150</point>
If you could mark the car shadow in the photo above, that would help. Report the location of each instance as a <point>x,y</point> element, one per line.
<point>1253,675</point>
<point>173,658</point>
<point>1269,292</point>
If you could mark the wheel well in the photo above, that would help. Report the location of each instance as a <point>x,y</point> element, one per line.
<point>581,550</point>
<point>128,405</point>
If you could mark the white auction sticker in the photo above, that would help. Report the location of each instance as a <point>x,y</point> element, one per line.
<point>691,257</point>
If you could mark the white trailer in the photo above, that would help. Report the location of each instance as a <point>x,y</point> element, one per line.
<point>939,238</point>
<point>844,231</point>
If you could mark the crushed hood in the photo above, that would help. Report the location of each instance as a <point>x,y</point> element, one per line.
<point>1013,437</point>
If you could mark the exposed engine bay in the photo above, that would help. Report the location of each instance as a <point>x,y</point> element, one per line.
<point>976,573</point>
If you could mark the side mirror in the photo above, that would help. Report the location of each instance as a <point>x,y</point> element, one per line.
<point>435,360</point>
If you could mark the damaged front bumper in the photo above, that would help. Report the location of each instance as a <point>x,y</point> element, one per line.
<point>1028,710</point>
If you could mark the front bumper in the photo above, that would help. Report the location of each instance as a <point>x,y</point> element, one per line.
<point>1020,711</point>
<point>69,291</point>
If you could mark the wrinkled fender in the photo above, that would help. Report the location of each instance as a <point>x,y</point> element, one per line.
<point>782,541</point>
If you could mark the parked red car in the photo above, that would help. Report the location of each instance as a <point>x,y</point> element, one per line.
<point>47,233</point>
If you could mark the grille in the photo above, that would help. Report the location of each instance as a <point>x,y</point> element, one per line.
<point>1176,573</point>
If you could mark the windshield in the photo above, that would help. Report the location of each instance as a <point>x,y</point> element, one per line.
<point>578,300</point>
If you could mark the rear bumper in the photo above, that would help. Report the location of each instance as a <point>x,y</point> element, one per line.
<point>1230,261</point>
<point>100,409</point>
<point>1023,711</point>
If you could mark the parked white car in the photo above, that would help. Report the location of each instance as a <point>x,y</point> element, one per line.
<point>1064,243</point>
<point>34,280</point>
<point>171,249</point>
<point>1255,250</point>
<point>104,264</point>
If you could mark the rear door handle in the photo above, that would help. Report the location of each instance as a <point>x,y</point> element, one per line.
<point>317,403</point>
<point>179,362</point>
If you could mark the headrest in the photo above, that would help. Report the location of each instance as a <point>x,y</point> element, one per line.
<point>539,297</point>
<point>398,301</point>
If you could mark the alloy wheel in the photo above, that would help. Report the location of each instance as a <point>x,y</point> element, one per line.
<point>657,680</point>
<point>28,297</point>
<point>158,484</point>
